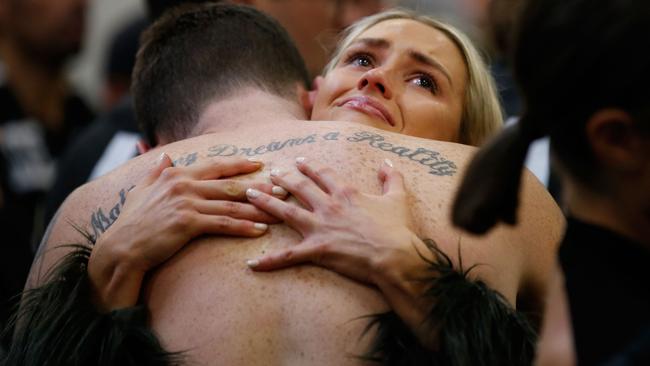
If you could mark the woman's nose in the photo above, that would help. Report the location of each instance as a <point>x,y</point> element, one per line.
<point>376,79</point>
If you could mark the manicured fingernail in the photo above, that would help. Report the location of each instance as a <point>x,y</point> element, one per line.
<point>279,191</point>
<point>260,226</point>
<point>300,160</point>
<point>275,172</point>
<point>252,193</point>
<point>252,263</point>
<point>388,162</point>
<point>162,157</point>
<point>254,160</point>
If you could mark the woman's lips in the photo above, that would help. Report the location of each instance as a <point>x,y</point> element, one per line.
<point>369,106</point>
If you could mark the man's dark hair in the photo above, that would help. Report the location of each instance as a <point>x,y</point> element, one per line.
<point>156,8</point>
<point>196,53</point>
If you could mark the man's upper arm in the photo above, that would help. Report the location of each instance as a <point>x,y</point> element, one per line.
<point>35,275</point>
<point>544,228</point>
<point>60,231</point>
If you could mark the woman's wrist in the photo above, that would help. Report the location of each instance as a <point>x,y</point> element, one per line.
<point>119,290</point>
<point>114,279</point>
<point>402,280</point>
<point>402,268</point>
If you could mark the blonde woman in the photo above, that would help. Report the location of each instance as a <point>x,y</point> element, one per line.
<point>429,72</point>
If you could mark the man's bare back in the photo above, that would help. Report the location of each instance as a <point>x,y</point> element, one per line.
<point>206,302</point>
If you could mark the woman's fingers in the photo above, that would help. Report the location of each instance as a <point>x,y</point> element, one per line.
<point>296,217</point>
<point>300,186</point>
<point>225,225</point>
<point>327,179</point>
<point>162,163</point>
<point>335,258</point>
<point>236,210</point>
<point>392,180</point>
<point>283,258</point>
<point>323,176</point>
<point>222,167</point>
<point>232,190</point>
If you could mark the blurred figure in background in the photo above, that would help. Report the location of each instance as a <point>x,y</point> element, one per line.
<point>584,84</point>
<point>500,21</point>
<point>111,138</point>
<point>38,115</point>
<point>315,24</point>
<point>120,61</point>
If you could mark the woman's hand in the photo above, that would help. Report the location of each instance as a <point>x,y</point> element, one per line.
<point>365,237</point>
<point>170,207</point>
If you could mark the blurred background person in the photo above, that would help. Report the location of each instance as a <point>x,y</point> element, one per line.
<point>39,113</point>
<point>119,62</point>
<point>599,124</point>
<point>501,18</point>
<point>111,138</point>
<point>315,24</point>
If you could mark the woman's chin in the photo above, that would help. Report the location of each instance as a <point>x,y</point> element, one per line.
<point>363,119</point>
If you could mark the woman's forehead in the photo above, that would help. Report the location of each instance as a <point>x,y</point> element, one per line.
<point>408,31</point>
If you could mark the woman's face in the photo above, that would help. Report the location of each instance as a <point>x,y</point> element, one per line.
<point>400,75</point>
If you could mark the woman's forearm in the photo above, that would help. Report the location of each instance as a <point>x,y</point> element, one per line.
<point>402,279</point>
<point>116,287</point>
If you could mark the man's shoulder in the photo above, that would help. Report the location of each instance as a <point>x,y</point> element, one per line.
<point>84,215</point>
<point>92,207</point>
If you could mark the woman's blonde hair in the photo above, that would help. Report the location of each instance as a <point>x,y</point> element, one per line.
<point>482,116</point>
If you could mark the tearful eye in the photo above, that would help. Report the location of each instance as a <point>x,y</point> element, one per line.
<point>360,59</point>
<point>363,61</point>
<point>426,82</point>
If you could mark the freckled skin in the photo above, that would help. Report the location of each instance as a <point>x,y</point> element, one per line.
<point>206,301</point>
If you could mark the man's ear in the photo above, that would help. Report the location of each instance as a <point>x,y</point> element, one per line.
<point>311,95</point>
<point>303,98</point>
<point>615,140</point>
<point>142,146</point>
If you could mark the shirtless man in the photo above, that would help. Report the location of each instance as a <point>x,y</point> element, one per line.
<point>204,300</point>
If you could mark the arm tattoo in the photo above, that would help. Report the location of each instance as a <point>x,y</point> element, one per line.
<point>100,221</point>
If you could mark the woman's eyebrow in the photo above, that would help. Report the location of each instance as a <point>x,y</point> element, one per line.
<point>372,42</point>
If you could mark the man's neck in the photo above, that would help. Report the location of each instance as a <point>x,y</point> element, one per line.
<point>246,109</point>
<point>607,211</point>
<point>40,88</point>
